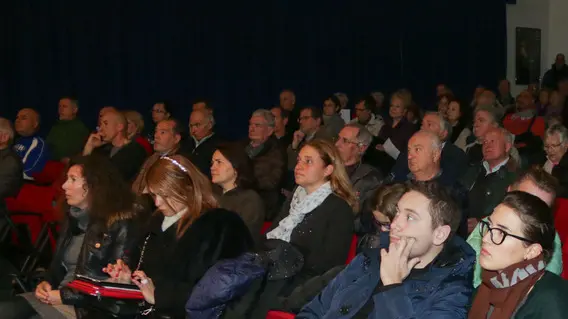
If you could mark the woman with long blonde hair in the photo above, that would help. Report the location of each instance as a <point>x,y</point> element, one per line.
<point>187,236</point>
<point>318,219</point>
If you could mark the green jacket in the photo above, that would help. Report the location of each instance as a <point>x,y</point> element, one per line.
<point>474,240</point>
<point>67,138</point>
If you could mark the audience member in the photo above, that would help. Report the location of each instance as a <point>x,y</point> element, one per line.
<point>557,71</point>
<point>453,160</point>
<point>543,102</point>
<point>31,148</point>
<point>384,205</point>
<point>268,158</point>
<point>379,108</point>
<point>394,135</point>
<point>68,135</point>
<point>332,121</point>
<point>111,142</point>
<point>318,219</point>
<point>287,100</point>
<point>232,170</point>
<point>135,126</point>
<point>364,115</point>
<point>343,99</point>
<point>203,141</point>
<point>504,96</point>
<point>181,243</point>
<point>99,205</point>
<point>527,127</point>
<point>476,94</point>
<point>281,117</point>
<point>442,89</point>
<point>104,110</point>
<point>202,105</point>
<point>310,129</point>
<point>555,107</point>
<point>459,119</point>
<point>160,111</point>
<point>487,181</point>
<point>167,139</point>
<point>518,242</point>
<point>537,182</point>
<point>11,167</point>
<point>555,146</point>
<point>424,273</point>
<point>484,119</point>
<point>353,141</point>
<point>443,104</point>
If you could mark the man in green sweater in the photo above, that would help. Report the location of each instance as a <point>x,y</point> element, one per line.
<point>539,183</point>
<point>67,137</point>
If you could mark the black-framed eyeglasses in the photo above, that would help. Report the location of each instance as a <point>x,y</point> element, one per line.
<point>383,225</point>
<point>498,235</point>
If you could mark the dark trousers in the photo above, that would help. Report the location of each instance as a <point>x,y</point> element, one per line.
<point>17,308</point>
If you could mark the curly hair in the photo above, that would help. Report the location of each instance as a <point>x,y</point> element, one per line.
<point>109,197</point>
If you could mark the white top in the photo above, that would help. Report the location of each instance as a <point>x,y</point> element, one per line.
<point>496,168</point>
<point>170,220</point>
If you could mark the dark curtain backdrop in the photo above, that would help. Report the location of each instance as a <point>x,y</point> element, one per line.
<point>239,55</point>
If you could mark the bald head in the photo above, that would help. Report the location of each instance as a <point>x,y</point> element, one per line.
<point>6,133</point>
<point>27,122</point>
<point>201,124</point>
<point>113,124</point>
<point>287,100</point>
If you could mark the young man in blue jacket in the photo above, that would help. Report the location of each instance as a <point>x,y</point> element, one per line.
<point>426,272</point>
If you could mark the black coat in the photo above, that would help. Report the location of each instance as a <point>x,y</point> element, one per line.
<point>127,160</point>
<point>324,236</point>
<point>560,171</point>
<point>201,155</point>
<point>176,265</point>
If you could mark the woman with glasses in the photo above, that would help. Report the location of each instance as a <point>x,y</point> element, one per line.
<point>555,146</point>
<point>384,206</point>
<point>518,241</point>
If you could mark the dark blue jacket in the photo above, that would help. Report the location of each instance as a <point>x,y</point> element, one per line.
<point>34,154</point>
<point>443,292</point>
<point>226,281</point>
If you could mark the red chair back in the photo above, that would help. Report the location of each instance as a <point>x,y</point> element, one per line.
<point>561,218</point>
<point>280,315</point>
<point>352,250</point>
<point>265,227</point>
<point>51,172</point>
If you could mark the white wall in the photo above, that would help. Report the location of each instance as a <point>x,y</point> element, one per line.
<point>547,15</point>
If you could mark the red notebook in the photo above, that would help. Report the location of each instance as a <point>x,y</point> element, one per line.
<point>106,289</point>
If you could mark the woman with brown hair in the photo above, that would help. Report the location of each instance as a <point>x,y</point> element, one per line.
<point>96,227</point>
<point>318,219</point>
<point>181,242</point>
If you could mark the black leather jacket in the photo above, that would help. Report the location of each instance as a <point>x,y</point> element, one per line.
<point>101,246</point>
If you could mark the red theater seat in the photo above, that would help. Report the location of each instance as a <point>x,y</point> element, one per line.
<point>52,172</point>
<point>280,315</point>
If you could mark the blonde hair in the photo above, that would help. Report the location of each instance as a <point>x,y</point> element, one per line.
<point>404,95</point>
<point>176,178</point>
<point>135,118</point>
<point>340,183</point>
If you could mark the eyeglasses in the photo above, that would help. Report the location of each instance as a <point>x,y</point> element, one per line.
<point>552,146</point>
<point>498,235</point>
<point>347,141</point>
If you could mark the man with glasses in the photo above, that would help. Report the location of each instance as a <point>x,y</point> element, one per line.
<point>268,158</point>
<point>352,143</point>
<point>534,181</point>
<point>310,120</point>
<point>203,141</point>
<point>555,146</point>
<point>364,112</point>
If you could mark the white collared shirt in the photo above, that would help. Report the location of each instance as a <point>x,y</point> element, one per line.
<point>197,143</point>
<point>548,166</point>
<point>170,220</point>
<point>496,168</point>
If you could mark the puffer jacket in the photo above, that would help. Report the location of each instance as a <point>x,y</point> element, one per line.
<point>444,291</point>
<point>223,283</point>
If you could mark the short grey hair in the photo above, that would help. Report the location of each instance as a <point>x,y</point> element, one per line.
<point>207,115</point>
<point>486,108</point>
<point>364,137</point>
<point>444,124</point>
<point>266,115</point>
<point>6,127</point>
<point>435,139</point>
<point>557,129</point>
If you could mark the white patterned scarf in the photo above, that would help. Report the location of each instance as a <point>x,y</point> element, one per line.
<point>300,206</point>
